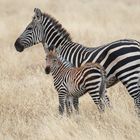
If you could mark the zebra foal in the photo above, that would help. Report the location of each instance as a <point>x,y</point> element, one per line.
<point>73,82</point>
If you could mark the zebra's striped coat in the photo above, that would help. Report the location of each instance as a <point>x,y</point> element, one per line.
<point>74,82</point>
<point>121,59</point>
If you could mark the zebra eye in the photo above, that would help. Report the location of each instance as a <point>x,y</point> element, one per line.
<point>54,60</point>
<point>29,28</point>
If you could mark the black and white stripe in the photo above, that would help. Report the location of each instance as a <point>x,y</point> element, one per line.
<point>73,82</point>
<point>121,59</point>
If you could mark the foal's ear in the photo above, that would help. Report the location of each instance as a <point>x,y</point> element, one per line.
<point>38,13</point>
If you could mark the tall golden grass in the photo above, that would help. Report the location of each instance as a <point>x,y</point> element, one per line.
<point>28,100</point>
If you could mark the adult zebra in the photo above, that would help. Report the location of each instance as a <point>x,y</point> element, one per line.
<point>121,59</point>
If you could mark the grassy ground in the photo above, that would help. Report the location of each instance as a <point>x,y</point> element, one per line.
<point>28,101</point>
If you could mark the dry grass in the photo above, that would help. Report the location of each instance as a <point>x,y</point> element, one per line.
<point>28,101</point>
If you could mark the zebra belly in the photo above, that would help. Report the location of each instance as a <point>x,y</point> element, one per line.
<point>75,90</point>
<point>76,93</point>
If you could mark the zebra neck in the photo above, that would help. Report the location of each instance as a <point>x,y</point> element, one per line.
<point>54,41</point>
<point>53,32</point>
<point>69,51</point>
<point>56,70</point>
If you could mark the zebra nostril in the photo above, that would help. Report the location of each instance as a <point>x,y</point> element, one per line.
<point>47,70</point>
<point>19,47</point>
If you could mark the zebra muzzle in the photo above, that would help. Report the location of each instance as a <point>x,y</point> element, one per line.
<point>18,46</point>
<point>47,70</point>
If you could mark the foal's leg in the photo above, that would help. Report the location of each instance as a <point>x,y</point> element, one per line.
<point>97,100</point>
<point>72,102</point>
<point>94,92</point>
<point>76,104</point>
<point>62,98</point>
<point>106,101</point>
<point>68,103</point>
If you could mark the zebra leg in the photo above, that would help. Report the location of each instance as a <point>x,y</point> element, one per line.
<point>68,103</point>
<point>62,98</point>
<point>97,100</point>
<point>98,96</point>
<point>76,104</point>
<point>137,104</point>
<point>103,102</point>
<point>106,101</point>
<point>132,83</point>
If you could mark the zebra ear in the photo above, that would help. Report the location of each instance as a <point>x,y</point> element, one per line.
<point>38,13</point>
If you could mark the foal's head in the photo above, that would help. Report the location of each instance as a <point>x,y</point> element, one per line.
<point>52,60</point>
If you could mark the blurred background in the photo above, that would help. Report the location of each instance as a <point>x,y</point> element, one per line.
<point>28,100</point>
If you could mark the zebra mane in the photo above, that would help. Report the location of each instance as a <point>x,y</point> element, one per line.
<point>58,26</point>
